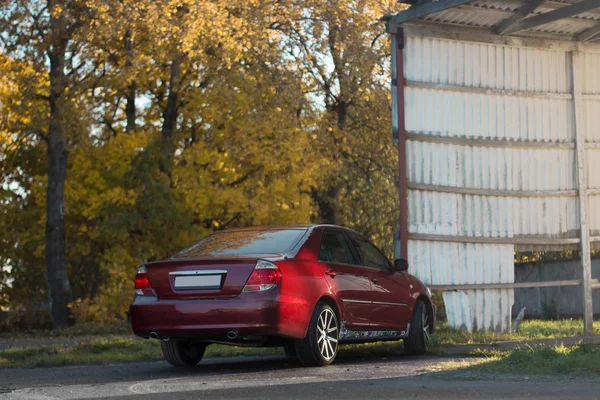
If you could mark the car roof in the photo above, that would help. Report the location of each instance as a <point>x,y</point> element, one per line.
<point>309,227</point>
<point>282,227</point>
<point>265,228</point>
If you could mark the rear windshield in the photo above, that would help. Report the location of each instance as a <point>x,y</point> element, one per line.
<point>246,242</point>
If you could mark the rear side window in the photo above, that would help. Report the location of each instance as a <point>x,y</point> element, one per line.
<point>335,248</point>
<point>244,242</point>
<point>370,255</point>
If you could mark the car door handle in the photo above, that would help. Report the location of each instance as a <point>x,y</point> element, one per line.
<point>374,280</point>
<point>330,273</point>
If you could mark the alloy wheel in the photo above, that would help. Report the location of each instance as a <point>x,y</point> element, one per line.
<point>327,334</point>
<point>425,325</point>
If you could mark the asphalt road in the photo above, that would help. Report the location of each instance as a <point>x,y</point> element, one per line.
<point>352,377</point>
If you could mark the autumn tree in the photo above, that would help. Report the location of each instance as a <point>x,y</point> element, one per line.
<point>238,147</point>
<point>23,119</point>
<point>344,54</point>
<point>41,34</point>
<point>136,127</point>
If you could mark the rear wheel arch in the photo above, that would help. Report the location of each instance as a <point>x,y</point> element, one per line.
<point>319,346</point>
<point>330,301</point>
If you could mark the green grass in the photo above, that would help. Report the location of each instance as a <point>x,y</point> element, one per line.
<point>79,329</point>
<point>109,350</point>
<point>579,360</point>
<point>528,330</point>
<point>99,351</point>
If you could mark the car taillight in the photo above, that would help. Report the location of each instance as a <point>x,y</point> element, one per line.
<point>142,283</point>
<point>265,276</point>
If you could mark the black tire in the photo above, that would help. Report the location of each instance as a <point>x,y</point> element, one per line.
<point>290,350</point>
<point>418,336</point>
<point>182,353</point>
<point>319,347</point>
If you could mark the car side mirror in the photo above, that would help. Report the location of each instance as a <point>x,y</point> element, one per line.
<point>400,264</point>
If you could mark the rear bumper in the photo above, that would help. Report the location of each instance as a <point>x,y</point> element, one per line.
<point>249,314</point>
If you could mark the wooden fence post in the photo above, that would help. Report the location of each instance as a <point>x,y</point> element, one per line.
<point>586,260</point>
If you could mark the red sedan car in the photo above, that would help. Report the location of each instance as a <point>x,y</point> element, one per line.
<point>306,288</point>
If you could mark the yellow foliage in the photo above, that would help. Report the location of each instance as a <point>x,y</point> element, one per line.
<point>282,109</point>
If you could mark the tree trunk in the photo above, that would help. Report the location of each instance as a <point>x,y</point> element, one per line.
<point>130,110</point>
<point>342,114</point>
<point>170,117</point>
<point>327,197</point>
<point>170,113</point>
<point>58,282</point>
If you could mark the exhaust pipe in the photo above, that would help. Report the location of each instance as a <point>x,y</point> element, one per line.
<point>153,335</point>
<point>232,335</point>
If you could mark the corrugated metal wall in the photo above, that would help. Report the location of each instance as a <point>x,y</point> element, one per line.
<point>443,263</point>
<point>486,65</point>
<point>491,154</point>
<point>591,118</point>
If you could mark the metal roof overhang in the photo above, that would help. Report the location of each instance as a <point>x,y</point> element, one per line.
<point>565,20</point>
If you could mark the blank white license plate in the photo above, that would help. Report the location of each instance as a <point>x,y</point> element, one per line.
<point>198,282</point>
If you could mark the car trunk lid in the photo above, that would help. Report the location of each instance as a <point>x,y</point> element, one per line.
<point>200,278</point>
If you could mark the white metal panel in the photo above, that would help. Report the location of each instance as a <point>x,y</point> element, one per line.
<point>594,214</point>
<point>535,107</point>
<point>591,71</point>
<point>591,122</point>
<point>488,116</point>
<point>510,95</point>
<point>591,125</point>
<point>491,168</point>
<point>591,117</point>
<point>435,213</point>
<point>441,263</point>
<point>593,165</point>
<point>486,65</point>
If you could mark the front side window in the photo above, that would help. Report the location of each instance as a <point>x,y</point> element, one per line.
<point>371,257</point>
<point>335,248</point>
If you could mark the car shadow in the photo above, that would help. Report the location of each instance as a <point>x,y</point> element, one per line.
<point>246,364</point>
